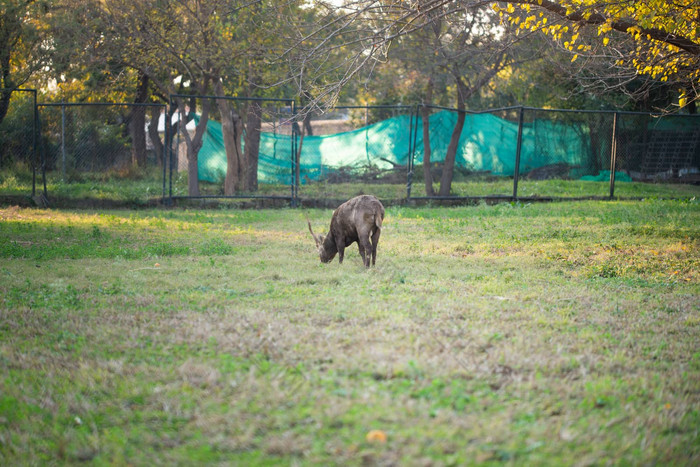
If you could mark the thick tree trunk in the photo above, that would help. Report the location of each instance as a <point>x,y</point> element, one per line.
<point>451,155</point>
<point>232,131</point>
<point>194,144</point>
<point>6,83</point>
<point>154,136</point>
<point>5,96</point>
<point>306,130</point>
<point>137,126</point>
<point>252,145</point>
<point>425,114</point>
<point>192,170</point>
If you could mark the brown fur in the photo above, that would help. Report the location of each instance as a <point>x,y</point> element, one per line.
<point>357,220</point>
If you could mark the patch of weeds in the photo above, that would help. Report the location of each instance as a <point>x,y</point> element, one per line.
<point>161,249</point>
<point>216,246</point>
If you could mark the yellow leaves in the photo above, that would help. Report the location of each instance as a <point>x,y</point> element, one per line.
<point>505,73</point>
<point>651,55</point>
<point>635,31</point>
<point>605,27</point>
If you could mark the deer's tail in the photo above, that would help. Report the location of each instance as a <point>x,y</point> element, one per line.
<point>378,221</point>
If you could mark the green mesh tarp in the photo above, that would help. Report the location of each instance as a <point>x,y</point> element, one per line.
<point>488,144</point>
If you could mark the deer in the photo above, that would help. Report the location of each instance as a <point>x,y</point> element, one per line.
<point>356,220</point>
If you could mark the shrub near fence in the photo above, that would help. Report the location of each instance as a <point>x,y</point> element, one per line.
<point>20,165</point>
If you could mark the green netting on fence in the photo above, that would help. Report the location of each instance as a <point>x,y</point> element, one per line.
<point>487,144</point>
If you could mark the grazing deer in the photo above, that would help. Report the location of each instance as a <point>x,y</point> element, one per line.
<point>356,220</point>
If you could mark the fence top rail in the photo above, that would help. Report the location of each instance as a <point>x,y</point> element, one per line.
<point>232,98</point>
<point>538,109</point>
<point>292,103</point>
<point>475,112</point>
<point>18,90</point>
<point>384,106</point>
<point>98,104</point>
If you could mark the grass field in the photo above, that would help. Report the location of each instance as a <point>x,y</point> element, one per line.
<point>561,333</point>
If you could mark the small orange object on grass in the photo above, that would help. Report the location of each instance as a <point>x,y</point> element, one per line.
<point>376,436</point>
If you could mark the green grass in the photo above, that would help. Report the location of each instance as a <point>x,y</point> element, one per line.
<point>526,334</point>
<point>139,188</point>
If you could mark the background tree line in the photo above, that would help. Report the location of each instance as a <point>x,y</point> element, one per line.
<point>466,54</point>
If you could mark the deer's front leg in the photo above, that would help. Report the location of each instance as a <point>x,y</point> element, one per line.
<point>341,251</point>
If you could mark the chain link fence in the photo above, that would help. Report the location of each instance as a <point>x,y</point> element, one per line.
<point>526,153</point>
<point>565,154</point>
<point>483,151</point>
<point>254,148</point>
<point>656,154</point>
<point>232,148</point>
<point>355,150</point>
<point>105,152</point>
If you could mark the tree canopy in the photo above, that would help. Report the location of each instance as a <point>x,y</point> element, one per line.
<point>665,35</point>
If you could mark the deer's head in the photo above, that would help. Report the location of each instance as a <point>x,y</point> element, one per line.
<point>325,246</point>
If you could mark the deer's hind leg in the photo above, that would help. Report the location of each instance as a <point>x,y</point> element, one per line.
<point>375,241</point>
<point>365,248</point>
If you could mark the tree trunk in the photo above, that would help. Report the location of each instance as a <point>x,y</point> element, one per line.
<point>194,144</point>
<point>5,96</point>
<point>451,155</point>
<point>425,114</point>
<point>306,130</point>
<point>252,145</point>
<point>233,137</point>
<point>232,131</point>
<point>153,134</point>
<point>137,126</point>
<point>6,83</point>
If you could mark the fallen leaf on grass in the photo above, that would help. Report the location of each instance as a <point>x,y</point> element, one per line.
<point>376,436</point>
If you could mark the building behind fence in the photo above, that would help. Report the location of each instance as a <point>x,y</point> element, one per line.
<point>510,153</point>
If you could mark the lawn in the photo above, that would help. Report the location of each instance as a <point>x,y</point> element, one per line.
<point>529,334</point>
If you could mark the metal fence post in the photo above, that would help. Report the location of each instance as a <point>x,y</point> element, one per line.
<point>613,156</point>
<point>35,159</point>
<point>296,157</point>
<point>518,149</point>
<point>176,150</point>
<point>63,143</point>
<point>166,150</point>
<point>411,151</point>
